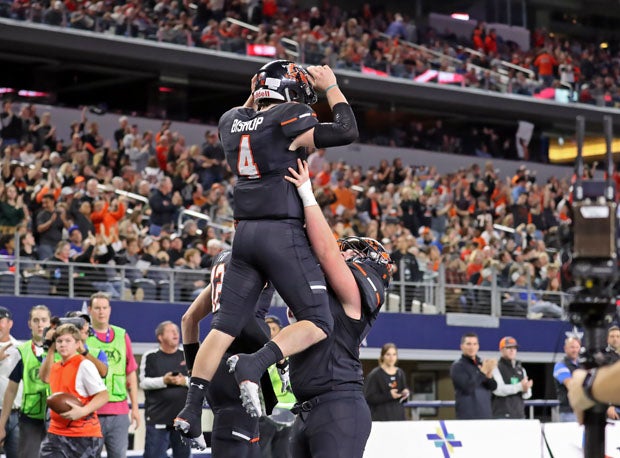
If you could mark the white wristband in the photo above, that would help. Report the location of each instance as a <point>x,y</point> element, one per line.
<point>306,194</point>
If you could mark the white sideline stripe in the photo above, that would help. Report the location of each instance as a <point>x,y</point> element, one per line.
<point>242,436</point>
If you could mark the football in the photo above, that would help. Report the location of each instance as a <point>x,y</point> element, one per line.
<point>58,402</point>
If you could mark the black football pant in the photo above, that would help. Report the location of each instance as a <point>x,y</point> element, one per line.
<point>334,425</point>
<point>278,251</point>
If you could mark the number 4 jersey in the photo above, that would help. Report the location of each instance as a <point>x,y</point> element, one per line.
<point>256,145</point>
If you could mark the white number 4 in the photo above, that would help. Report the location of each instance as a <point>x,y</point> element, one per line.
<point>245,165</point>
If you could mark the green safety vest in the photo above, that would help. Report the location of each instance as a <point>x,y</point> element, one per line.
<point>285,400</point>
<point>35,392</point>
<point>116,351</point>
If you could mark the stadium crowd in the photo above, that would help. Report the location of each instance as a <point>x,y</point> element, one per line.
<point>69,203</point>
<point>370,39</point>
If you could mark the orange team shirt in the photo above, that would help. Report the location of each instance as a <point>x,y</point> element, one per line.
<point>344,197</point>
<point>545,63</point>
<point>62,379</point>
<point>108,218</point>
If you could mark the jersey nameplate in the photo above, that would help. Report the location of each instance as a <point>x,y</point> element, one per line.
<point>245,126</point>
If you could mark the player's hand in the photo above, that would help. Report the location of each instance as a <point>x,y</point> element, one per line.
<point>612,414</point>
<point>577,396</point>
<point>322,76</point>
<point>404,394</point>
<point>253,85</point>
<point>395,393</point>
<point>300,176</point>
<point>2,435</point>
<point>77,411</point>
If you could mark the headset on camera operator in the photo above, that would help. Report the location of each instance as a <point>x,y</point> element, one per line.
<point>82,322</point>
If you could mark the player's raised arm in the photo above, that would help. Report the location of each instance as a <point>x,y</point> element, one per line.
<point>343,130</point>
<point>324,244</point>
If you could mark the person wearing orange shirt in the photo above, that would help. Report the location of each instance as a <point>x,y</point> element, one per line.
<point>545,63</point>
<point>345,199</point>
<point>108,215</point>
<point>76,432</point>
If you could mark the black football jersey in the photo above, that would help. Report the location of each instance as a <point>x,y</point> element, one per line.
<point>256,145</point>
<point>332,364</point>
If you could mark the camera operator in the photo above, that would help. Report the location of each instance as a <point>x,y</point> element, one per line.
<point>596,386</point>
<point>82,322</point>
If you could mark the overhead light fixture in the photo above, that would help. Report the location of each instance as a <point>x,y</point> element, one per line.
<point>604,45</point>
<point>460,16</point>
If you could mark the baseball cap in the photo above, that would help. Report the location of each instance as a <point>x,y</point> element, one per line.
<point>508,342</point>
<point>78,314</point>
<point>5,313</point>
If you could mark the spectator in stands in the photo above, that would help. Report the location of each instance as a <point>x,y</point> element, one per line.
<point>397,29</point>
<point>545,63</point>
<point>513,385</point>
<point>50,223</point>
<point>12,210</point>
<point>45,132</point>
<point>175,250</point>
<point>123,129</point>
<point>385,387</point>
<point>562,374</point>
<point>164,379</point>
<point>164,206</point>
<point>490,43</point>
<point>107,213</point>
<point>190,277</point>
<point>473,381</point>
<point>121,380</point>
<point>28,248</point>
<point>214,165</point>
<point>214,247</point>
<point>54,15</point>
<point>11,124</point>
<point>316,161</point>
<point>130,259</point>
<point>406,268</point>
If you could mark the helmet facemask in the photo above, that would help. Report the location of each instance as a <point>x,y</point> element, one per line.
<point>283,81</point>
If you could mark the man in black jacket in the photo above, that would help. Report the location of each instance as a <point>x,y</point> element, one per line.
<point>164,206</point>
<point>513,385</point>
<point>473,381</point>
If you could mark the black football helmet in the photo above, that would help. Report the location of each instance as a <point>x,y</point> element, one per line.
<point>371,253</point>
<point>285,81</point>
